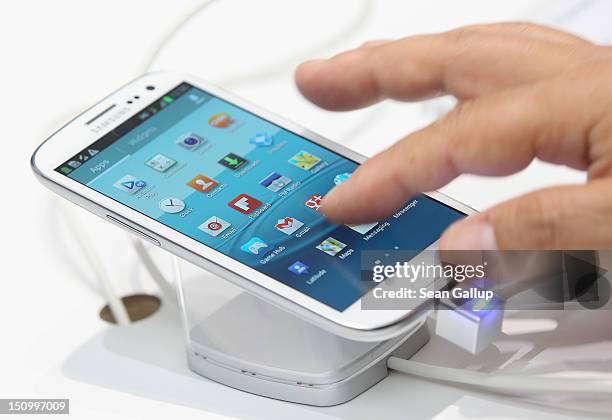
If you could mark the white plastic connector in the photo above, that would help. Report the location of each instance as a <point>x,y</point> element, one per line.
<point>471,325</point>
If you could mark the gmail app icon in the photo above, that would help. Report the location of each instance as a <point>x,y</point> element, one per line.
<point>288,225</point>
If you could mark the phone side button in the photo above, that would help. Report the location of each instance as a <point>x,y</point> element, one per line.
<point>133,230</point>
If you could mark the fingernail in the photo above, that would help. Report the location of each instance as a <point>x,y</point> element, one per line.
<point>470,235</point>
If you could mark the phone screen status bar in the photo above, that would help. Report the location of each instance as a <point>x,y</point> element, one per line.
<point>159,104</point>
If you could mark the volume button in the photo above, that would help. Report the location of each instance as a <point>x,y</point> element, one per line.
<point>133,230</point>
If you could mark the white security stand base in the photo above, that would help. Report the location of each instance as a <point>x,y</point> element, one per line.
<point>248,344</point>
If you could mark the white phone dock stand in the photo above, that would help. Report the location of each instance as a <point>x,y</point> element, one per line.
<point>241,341</point>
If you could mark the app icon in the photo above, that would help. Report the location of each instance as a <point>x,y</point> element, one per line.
<point>214,226</point>
<point>232,161</point>
<point>160,162</point>
<point>331,246</point>
<point>172,205</point>
<point>298,267</point>
<point>340,178</point>
<point>314,202</point>
<point>190,141</point>
<point>363,229</point>
<point>304,160</point>
<point>256,246</point>
<point>262,140</point>
<point>288,225</point>
<point>220,120</point>
<point>244,204</point>
<point>275,182</point>
<point>202,183</point>
<point>130,184</point>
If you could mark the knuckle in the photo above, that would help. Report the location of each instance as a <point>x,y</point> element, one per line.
<point>600,148</point>
<point>540,217</point>
<point>451,126</point>
<point>461,38</point>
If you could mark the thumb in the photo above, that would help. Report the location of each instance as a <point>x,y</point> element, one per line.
<point>570,217</point>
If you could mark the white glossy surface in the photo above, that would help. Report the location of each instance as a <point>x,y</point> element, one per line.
<point>57,57</point>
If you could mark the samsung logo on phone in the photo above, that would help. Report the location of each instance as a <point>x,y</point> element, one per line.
<point>112,119</point>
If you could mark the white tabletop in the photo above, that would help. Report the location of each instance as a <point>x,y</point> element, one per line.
<point>59,57</point>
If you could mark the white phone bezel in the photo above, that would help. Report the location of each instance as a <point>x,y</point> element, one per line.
<point>76,135</point>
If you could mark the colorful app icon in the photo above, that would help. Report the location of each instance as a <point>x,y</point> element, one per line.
<point>245,204</point>
<point>363,229</point>
<point>130,184</point>
<point>262,140</point>
<point>214,226</point>
<point>160,163</point>
<point>331,246</point>
<point>220,120</point>
<point>288,225</point>
<point>232,161</point>
<point>304,160</point>
<point>202,183</point>
<point>275,182</point>
<point>190,141</point>
<point>314,202</point>
<point>340,178</point>
<point>172,205</point>
<point>256,246</point>
<point>298,267</point>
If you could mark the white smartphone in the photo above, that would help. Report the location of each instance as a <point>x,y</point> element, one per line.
<point>234,189</point>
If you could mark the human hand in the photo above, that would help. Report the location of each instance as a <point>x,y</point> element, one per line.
<point>524,92</point>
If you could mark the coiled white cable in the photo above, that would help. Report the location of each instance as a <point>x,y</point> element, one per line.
<point>514,383</point>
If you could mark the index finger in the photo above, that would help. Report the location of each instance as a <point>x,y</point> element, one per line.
<point>497,134</point>
<point>465,63</point>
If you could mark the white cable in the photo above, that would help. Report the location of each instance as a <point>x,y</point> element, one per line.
<point>289,63</point>
<point>275,68</point>
<point>145,258</point>
<point>172,32</point>
<point>518,383</point>
<point>176,268</point>
<point>115,304</point>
